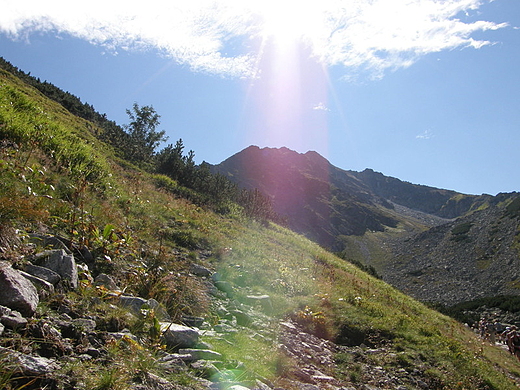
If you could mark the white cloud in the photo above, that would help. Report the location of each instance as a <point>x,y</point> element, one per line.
<point>321,107</point>
<point>426,134</point>
<point>374,36</point>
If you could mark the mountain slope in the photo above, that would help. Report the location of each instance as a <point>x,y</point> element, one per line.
<point>472,257</point>
<point>269,303</point>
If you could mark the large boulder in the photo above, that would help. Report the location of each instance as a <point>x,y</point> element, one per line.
<point>179,336</point>
<point>16,292</point>
<point>60,262</point>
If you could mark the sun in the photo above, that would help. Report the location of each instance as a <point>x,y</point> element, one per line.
<point>286,22</point>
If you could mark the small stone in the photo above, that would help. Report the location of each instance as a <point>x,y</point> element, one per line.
<point>13,320</point>
<point>84,325</point>
<point>106,281</point>
<point>201,354</point>
<point>199,270</point>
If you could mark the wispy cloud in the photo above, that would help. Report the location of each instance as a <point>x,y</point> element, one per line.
<point>426,134</point>
<point>321,107</point>
<point>374,36</point>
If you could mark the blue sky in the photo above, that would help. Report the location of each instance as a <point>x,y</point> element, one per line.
<point>426,91</point>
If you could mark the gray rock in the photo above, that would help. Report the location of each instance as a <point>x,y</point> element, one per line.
<point>155,382</point>
<point>106,281</point>
<point>261,386</point>
<point>125,333</point>
<point>1,329</point>
<point>238,387</point>
<point>137,304</point>
<point>307,386</point>
<point>60,262</point>
<point>43,287</point>
<point>48,242</point>
<point>263,301</point>
<point>179,336</point>
<point>12,319</point>
<point>205,369</point>
<point>16,292</point>
<point>192,321</point>
<point>134,304</point>
<point>243,319</point>
<point>199,270</point>
<point>201,354</point>
<point>43,273</point>
<point>84,324</point>
<point>26,364</point>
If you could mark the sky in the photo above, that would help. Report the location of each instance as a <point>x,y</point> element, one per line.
<point>427,91</point>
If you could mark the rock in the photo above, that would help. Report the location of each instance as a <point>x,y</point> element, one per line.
<point>1,329</point>
<point>134,304</point>
<point>26,364</point>
<point>11,318</point>
<point>84,325</point>
<point>124,334</point>
<point>199,270</point>
<point>16,292</point>
<point>44,288</point>
<point>201,354</point>
<point>307,386</point>
<point>179,336</point>
<point>60,262</point>
<point>47,242</point>
<point>192,321</point>
<point>106,281</point>
<point>43,273</point>
<point>205,369</point>
<point>261,386</point>
<point>155,382</point>
<point>238,387</point>
<point>260,300</point>
<point>137,304</point>
<point>243,319</point>
<point>225,287</point>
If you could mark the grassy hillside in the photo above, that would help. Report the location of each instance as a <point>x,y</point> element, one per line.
<point>58,178</point>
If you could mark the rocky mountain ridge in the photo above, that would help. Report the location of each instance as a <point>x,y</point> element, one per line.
<point>324,202</point>
<point>424,258</point>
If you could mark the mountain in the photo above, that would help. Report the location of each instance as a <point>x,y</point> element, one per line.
<point>324,202</point>
<point>403,230</point>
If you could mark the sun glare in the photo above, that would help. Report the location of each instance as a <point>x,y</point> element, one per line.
<point>285,22</point>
